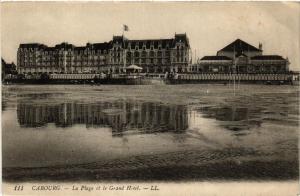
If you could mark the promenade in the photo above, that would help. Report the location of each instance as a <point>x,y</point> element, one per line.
<point>181,78</point>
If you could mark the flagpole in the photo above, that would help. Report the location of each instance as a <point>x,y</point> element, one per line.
<point>124,49</point>
<point>234,70</point>
<point>124,53</point>
<point>125,28</point>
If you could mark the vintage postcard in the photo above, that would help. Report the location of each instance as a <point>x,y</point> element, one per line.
<point>150,98</point>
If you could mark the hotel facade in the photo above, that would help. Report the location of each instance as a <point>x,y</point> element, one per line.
<point>153,55</point>
<point>241,57</point>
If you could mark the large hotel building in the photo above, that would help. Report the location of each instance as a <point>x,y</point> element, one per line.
<point>153,55</point>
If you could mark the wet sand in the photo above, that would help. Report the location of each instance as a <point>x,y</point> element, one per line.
<point>189,165</point>
<point>150,133</point>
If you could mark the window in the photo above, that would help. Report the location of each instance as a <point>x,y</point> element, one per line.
<point>144,54</point>
<point>159,53</point>
<point>151,53</point>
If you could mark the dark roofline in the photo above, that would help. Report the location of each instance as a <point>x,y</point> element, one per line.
<point>79,48</point>
<point>215,58</point>
<point>268,57</point>
<point>32,45</point>
<point>145,40</point>
<point>3,61</point>
<point>115,37</point>
<point>101,46</point>
<point>64,45</point>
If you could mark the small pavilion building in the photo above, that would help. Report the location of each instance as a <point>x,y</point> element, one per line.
<point>133,69</point>
<point>241,57</point>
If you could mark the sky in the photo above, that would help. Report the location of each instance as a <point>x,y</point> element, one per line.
<point>210,26</point>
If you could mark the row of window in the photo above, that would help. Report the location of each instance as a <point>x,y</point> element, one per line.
<point>72,52</point>
<point>92,63</point>
<point>115,60</point>
<point>137,54</point>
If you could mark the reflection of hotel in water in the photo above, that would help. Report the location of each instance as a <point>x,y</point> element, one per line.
<point>120,116</point>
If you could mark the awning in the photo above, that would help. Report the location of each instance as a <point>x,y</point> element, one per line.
<point>134,67</point>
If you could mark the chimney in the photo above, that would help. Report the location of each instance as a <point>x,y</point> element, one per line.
<point>260,46</point>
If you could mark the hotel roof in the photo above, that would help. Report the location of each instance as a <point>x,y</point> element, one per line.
<point>32,45</point>
<point>117,39</point>
<point>155,42</point>
<point>101,46</point>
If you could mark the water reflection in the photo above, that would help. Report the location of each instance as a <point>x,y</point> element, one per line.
<point>225,113</point>
<point>233,118</point>
<point>120,116</point>
<point>232,114</point>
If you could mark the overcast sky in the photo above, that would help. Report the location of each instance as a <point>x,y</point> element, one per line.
<point>209,25</point>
